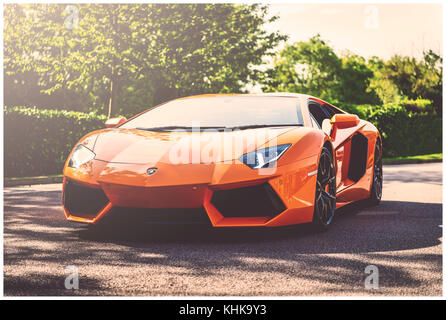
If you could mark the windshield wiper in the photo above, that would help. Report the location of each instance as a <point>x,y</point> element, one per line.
<point>254,126</point>
<point>172,128</point>
<point>186,128</point>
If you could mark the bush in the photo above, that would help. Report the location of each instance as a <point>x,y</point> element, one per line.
<point>417,105</point>
<point>404,133</point>
<point>37,142</point>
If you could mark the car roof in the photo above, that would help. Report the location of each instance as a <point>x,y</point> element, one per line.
<point>268,94</point>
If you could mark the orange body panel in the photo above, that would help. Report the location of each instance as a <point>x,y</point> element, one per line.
<point>123,156</point>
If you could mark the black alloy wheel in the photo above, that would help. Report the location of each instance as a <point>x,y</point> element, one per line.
<point>325,199</point>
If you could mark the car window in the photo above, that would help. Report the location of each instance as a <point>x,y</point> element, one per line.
<point>314,122</point>
<point>330,110</point>
<point>317,112</point>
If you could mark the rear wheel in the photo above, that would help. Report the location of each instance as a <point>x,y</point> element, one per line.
<point>377,184</point>
<point>325,198</point>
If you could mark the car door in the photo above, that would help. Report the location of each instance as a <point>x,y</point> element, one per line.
<point>342,142</point>
<point>350,152</point>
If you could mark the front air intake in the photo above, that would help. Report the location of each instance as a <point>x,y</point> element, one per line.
<point>83,201</point>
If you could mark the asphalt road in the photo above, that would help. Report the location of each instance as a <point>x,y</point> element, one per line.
<point>401,237</point>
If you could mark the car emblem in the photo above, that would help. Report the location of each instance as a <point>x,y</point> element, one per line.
<point>151,171</point>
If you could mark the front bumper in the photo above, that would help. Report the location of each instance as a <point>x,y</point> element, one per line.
<point>227,195</point>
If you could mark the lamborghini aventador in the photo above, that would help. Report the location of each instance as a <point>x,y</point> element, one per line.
<point>236,160</point>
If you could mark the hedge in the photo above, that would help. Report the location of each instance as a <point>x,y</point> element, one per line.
<point>37,142</point>
<point>404,133</point>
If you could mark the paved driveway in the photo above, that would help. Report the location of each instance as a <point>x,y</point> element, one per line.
<point>402,237</point>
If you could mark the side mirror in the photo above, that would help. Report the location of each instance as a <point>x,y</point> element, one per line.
<point>115,122</point>
<point>342,121</point>
<point>326,126</point>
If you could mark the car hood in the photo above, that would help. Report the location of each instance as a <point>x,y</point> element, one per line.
<point>140,147</point>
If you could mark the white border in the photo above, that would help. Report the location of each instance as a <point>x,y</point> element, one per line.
<point>198,298</point>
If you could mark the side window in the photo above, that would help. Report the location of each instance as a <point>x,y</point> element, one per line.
<point>330,110</point>
<point>317,112</point>
<point>314,122</point>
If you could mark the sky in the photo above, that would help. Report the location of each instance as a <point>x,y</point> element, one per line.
<point>365,29</point>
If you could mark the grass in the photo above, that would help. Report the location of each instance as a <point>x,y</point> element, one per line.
<point>433,157</point>
<point>35,177</point>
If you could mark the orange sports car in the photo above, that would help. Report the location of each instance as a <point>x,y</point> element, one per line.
<point>235,160</point>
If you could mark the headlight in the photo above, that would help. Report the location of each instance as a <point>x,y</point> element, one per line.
<point>264,158</point>
<point>80,155</point>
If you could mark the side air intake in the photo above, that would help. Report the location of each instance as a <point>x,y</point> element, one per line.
<point>358,157</point>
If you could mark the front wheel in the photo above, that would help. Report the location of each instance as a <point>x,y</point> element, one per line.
<point>325,198</point>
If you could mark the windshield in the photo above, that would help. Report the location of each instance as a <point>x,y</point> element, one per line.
<point>220,112</point>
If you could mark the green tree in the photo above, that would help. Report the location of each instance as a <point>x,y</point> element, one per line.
<point>312,67</point>
<point>431,86</point>
<point>122,58</point>
<point>385,89</point>
<point>356,76</point>
<point>414,78</point>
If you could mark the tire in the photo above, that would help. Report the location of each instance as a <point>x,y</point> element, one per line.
<point>325,195</point>
<point>377,184</point>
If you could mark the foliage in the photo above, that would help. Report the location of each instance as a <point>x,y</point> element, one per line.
<point>130,56</point>
<point>313,68</point>
<point>403,132</point>
<point>410,78</point>
<point>37,142</point>
<point>356,75</point>
<point>417,105</point>
<point>306,67</point>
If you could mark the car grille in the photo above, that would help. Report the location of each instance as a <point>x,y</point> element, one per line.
<point>83,201</point>
<point>254,201</point>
